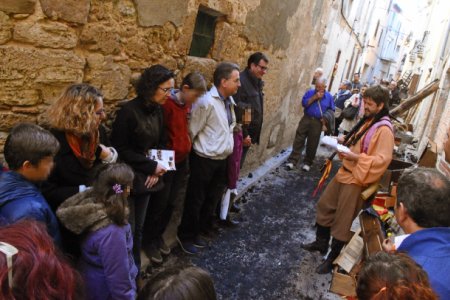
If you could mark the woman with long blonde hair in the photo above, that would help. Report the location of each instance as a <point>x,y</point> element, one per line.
<point>75,120</point>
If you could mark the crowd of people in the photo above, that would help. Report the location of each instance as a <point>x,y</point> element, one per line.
<point>101,199</point>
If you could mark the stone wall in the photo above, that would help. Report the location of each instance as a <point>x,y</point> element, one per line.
<point>46,45</point>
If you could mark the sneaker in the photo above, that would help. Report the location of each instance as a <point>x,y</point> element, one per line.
<point>306,168</point>
<point>153,254</point>
<point>290,166</point>
<point>187,247</point>
<point>199,242</point>
<point>163,248</point>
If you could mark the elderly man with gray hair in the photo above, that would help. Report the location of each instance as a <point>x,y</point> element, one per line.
<point>315,103</point>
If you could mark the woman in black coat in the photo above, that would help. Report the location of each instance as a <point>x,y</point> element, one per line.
<point>75,120</point>
<point>138,128</point>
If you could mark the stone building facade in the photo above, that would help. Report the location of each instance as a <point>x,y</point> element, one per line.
<point>428,60</point>
<point>46,45</point>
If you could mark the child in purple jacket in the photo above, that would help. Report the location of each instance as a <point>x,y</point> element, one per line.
<point>100,215</point>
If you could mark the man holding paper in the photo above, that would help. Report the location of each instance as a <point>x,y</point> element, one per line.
<point>371,144</point>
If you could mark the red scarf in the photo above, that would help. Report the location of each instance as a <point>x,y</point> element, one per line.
<point>84,147</point>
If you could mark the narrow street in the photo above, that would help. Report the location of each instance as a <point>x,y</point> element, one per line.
<point>262,258</point>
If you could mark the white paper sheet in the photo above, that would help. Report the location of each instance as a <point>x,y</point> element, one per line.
<point>164,157</point>
<point>331,142</point>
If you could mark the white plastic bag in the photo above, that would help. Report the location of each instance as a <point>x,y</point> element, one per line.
<point>225,204</point>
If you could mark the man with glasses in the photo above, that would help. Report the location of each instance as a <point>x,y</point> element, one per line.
<point>250,97</point>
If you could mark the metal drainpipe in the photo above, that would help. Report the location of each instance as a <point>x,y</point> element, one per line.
<point>349,26</point>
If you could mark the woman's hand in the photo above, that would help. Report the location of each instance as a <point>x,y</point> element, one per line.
<point>106,152</point>
<point>151,181</point>
<point>160,170</point>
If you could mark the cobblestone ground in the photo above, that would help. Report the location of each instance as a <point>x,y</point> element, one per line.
<point>262,258</point>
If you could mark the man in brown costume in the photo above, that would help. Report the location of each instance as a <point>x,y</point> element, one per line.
<point>371,142</point>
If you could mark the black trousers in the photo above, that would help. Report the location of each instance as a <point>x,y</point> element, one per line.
<point>162,203</point>
<point>206,186</point>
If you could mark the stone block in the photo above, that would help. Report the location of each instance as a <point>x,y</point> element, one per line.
<point>26,110</point>
<point>5,28</point>
<point>150,12</point>
<point>206,66</point>
<point>30,66</point>
<point>51,35</point>
<point>113,79</point>
<point>9,119</point>
<point>17,6</point>
<point>59,74</point>
<point>50,93</point>
<point>228,44</point>
<point>138,48</point>
<point>76,11</point>
<point>19,97</point>
<point>99,37</point>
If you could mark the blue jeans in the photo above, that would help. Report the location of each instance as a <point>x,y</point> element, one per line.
<point>138,210</point>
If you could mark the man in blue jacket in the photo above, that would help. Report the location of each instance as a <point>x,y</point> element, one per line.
<point>29,152</point>
<point>423,210</point>
<point>315,103</point>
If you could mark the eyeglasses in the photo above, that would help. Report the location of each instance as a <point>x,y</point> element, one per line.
<point>166,90</point>
<point>9,251</point>
<point>263,68</point>
<point>100,112</point>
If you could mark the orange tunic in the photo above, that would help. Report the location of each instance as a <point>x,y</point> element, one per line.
<point>341,202</point>
<point>371,166</point>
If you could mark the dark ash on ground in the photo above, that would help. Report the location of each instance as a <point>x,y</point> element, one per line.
<point>262,258</point>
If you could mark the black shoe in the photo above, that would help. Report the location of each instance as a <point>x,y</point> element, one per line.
<point>325,267</point>
<point>317,245</point>
<point>187,246</point>
<point>153,253</point>
<point>230,223</point>
<point>235,208</point>
<point>200,242</point>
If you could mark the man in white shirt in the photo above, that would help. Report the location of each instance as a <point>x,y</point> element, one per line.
<point>211,129</point>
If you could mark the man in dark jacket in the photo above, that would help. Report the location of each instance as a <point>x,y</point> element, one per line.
<point>250,96</point>
<point>29,152</point>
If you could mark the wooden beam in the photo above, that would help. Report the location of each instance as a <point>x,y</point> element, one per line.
<point>415,99</point>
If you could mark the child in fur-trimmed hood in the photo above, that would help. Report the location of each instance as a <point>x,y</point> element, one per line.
<point>100,215</point>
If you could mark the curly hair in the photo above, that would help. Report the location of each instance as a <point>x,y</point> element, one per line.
<point>39,270</point>
<point>150,80</point>
<point>119,176</point>
<point>74,111</point>
<point>393,276</point>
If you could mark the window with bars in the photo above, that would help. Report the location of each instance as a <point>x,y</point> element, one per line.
<point>203,37</point>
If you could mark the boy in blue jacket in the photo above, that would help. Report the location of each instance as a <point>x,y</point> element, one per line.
<point>29,152</point>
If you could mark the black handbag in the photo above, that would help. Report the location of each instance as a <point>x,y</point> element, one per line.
<point>350,112</point>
